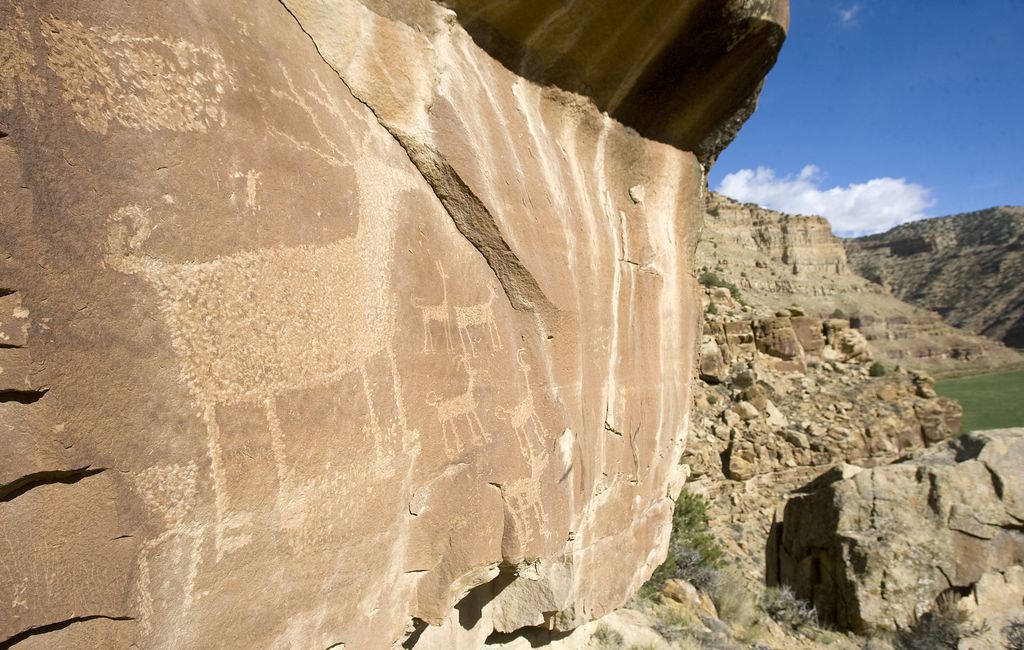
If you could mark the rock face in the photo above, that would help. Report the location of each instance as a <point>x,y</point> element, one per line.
<point>778,260</point>
<point>967,267</point>
<point>322,327</point>
<point>877,548</point>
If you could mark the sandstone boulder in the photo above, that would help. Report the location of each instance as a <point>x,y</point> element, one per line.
<point>712,366</point>
<point>996,602</point>
<point>876,549</point>
<point>775,337</point>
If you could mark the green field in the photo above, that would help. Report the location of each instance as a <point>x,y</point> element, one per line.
<point>993,401</point>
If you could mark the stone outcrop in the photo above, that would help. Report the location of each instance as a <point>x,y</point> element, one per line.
<point>877,548</point>
<point>777,261</point>
<point>324,324</point>
<point>967,267</point>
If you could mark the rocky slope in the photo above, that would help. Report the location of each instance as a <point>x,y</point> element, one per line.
<point>778,260</point>
<point>968,267</point>
<point>783,399</point>
<point>325,323</point>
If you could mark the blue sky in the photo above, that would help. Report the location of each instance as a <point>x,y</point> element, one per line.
<point>882,111</point>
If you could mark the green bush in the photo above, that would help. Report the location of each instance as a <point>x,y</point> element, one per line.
<point>693,552</point>
<point>712,308</point>
<point>877,370</point>
<point>710,279</point>
<point>839,313</point>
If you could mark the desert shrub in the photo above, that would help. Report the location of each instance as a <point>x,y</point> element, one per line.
<point>710,279</point>
<point>839,313</point>
<point>605,637</point>
<point>943,627</point>
<point>1014,633</point>
<point>786,609</point>
<point>877,370</point>
<point>736,604</point>
<point>673,623</point>
<point>693,552</point>
<point>712,308</point>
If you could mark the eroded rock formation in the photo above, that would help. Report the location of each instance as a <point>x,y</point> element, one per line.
<point>778,260</point>
<point>323,327</point>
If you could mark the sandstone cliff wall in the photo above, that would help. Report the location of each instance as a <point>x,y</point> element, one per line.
<point>323,327</point>
<point>968,267</point>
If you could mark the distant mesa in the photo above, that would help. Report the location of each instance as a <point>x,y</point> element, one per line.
<point>967,267</point>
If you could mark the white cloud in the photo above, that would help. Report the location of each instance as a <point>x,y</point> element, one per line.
<point>849,15</point>
<point>857,209</point>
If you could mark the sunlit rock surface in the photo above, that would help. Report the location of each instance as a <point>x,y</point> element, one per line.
<point>325,324</point>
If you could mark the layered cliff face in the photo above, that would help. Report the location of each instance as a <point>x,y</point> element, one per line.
<point>967,267</point>
<point>322,326</point>
<point>777,260</point>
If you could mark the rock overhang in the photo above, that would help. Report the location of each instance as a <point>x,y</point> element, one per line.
<point>686,73</point>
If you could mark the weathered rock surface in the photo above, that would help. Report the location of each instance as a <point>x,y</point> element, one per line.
<point>322,327</point>
<point>967,267</point>
<point>875,549</point>
<point>778,260</point>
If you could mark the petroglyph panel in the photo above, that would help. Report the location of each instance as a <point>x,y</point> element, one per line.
<point>170,493</point>
<point>213,308</point>
<point>335,304</point>
<point>457,416</point>
<point>436,317</point>
<point>476,322</point>
<point>523,418</point>
<point>322,313</point>
<point>140,82</point>
<point>19,83</point>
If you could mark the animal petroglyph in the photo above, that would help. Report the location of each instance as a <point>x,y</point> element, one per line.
<point>436,313</point>
<point>17,81</point>
<point>249,185</point>
<point>171,494</point>
<point>525,509</point>
<point>251,326</point>
<point>461,407</point>
<point>318,107</point>
<point>475,316</point>
<point>141,82</point>
<point>527,426</point>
